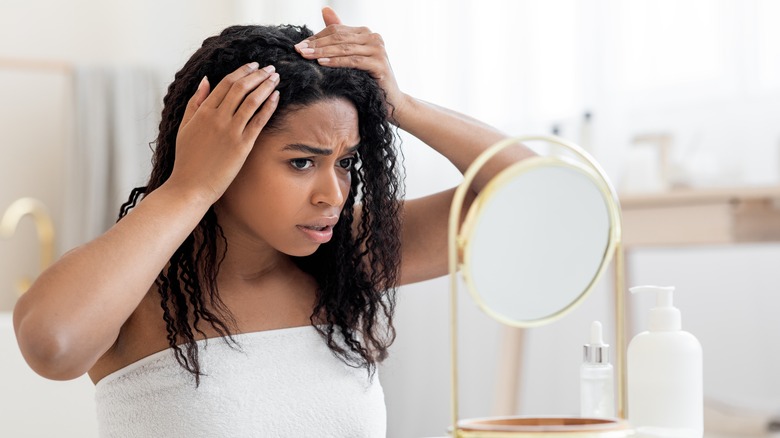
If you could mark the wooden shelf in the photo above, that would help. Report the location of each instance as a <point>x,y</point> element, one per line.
<point>701,216</point>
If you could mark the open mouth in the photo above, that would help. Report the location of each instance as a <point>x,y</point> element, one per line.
<point>315,228</point>
<point>316,233</point>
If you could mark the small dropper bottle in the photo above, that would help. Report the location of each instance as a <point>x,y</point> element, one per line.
<point>597,393</point>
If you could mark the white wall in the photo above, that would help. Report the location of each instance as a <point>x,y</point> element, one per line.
<point>35,116</point>
<point>163,34</point>
<point>35,127</point>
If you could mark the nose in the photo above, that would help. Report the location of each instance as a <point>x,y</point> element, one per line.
<point>330,189</point>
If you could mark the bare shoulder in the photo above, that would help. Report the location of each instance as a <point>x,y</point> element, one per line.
<point>283,299</point>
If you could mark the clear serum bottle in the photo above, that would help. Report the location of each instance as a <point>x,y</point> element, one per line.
<point>597,378</point>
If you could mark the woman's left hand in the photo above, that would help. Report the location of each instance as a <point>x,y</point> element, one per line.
<point>355,47</point>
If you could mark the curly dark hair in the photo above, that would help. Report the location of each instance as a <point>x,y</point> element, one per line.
<point>356,273</point>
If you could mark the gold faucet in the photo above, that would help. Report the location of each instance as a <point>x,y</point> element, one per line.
<point>43,224</point>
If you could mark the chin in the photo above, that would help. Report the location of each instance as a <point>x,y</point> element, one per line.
<point>303,251</point>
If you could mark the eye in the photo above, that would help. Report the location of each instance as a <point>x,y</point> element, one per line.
<point>301,163</point>
<point>347,163</point>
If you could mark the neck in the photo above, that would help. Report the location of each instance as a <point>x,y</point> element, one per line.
<point>250,261</point>
<point>263,287</point>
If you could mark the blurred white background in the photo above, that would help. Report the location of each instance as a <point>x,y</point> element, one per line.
<point>703,73</point>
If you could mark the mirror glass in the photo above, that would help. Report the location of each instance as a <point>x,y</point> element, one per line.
<point>537,239</point>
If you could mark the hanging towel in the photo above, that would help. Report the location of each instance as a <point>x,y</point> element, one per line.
<point>116,114</point>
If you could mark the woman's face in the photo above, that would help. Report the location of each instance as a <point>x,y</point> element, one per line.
<point>290,192</point>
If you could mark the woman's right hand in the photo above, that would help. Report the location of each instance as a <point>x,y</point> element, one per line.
<point>219,129</point>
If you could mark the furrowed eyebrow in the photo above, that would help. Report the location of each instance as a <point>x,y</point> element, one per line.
<point>314,150</point>
<point>307,149</point>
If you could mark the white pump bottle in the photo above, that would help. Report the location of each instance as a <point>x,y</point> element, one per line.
<point>665,389</point>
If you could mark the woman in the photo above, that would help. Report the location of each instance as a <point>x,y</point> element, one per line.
<point>272,222</point>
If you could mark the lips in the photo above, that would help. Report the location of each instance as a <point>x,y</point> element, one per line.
<point>316,228</point>
<point>319,231</point>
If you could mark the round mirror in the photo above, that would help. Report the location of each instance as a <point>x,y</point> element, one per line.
<point>535,242</point>
<point>537,239</point>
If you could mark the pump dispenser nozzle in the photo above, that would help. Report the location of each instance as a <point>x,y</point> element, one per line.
<point>664,316</point>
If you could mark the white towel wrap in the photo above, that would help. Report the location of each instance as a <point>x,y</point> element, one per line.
<point>283,383</point>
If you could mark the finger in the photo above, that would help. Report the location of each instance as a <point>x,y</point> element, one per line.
<point>329,16</point>
<point>333,33</point>
<point>255,99</point>
<point>345,45</point>
<point>243,87</point>
<point>196,100</point>
<point>366,63</point>
<point>338,29</point>
<point>360,45</point>
<point>261,118</point>
<point>221,90</point>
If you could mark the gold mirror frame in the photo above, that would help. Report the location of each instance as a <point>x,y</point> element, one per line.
<point>496,184</point>
<point>458,241</point>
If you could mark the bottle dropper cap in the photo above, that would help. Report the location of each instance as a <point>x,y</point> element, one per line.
<point>596,351</point>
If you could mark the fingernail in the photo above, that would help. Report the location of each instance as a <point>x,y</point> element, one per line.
<point>274,77</point>
<point>269,69</point>
<point>307,51</point>
<point>274,96</point>
<point>254,65</point>
<point>203,82</point>
<point>302,45</point>
<point>323,60</point>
